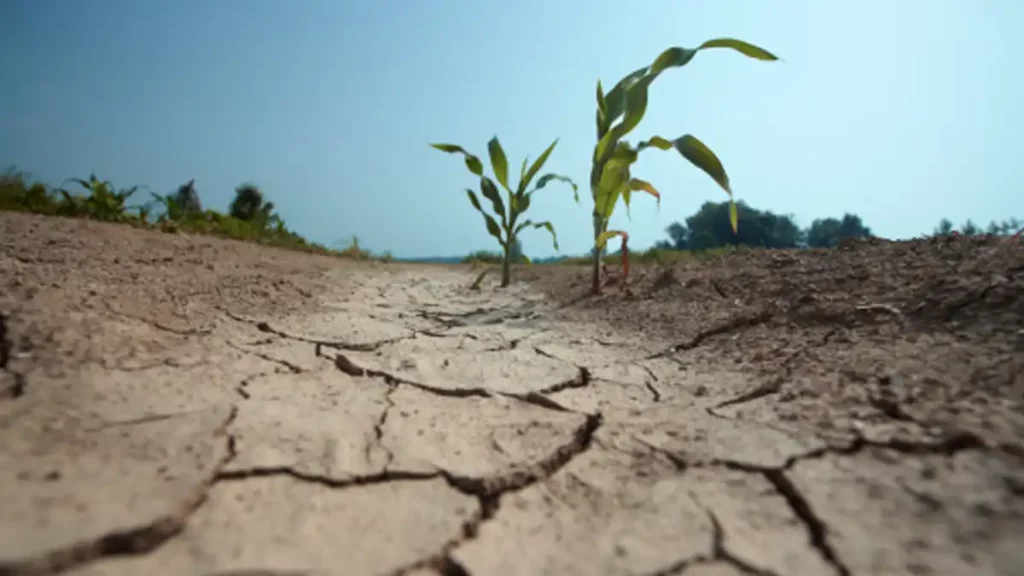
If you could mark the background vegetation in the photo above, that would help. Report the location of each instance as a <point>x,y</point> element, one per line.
<point>250,216</point>
<point>708,232</point>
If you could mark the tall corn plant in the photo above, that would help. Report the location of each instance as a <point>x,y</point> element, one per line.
<point>506,227</point>
<point>626,103</point>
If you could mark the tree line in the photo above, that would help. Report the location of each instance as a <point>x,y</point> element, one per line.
<point>969,228</point>
<point>709,228</point>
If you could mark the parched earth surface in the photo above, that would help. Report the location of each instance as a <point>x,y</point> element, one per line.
<point>174,405</point>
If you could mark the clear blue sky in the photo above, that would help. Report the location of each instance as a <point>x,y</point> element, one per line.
<point>901,111</point>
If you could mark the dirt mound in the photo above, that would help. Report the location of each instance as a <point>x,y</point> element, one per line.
<point>62,279</point>
<point>873,335</point>
<point>961,284</point>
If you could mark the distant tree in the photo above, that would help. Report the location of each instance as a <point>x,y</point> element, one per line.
<point>823,233</point>
<point>709,228</point>
<point>827,232</point>
<point>249,205</point>
<point>853,227</point>
<point>678,238</point>
<point>187,199</point>
<point>1004,228</point>
<point>945,227</point>
<point>969,228</point>
<point>782,230</point>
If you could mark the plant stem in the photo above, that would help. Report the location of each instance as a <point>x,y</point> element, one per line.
<point>506,272</point>
<point>595,277</point>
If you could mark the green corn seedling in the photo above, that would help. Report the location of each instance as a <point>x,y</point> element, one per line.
<point>104,202</point>
<point>610,176</point>
<point>507,226</point>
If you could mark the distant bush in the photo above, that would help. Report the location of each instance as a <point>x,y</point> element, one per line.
<point>483,257</point>
<point>251,220</point>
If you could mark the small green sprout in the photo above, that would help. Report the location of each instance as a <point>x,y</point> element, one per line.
<point>507,226</point>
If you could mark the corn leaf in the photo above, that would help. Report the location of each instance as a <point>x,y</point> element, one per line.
<point>546,225</point>
<point>499,162</point>
<point>629,97</point>
<point>492,226</point>
<point>614,179</point>
<point>657,142</point>
<point>543,181</point>
<point>698,154</point>
<point>635,108</point>
<point>702,157</point>
<point>636,104</point>
<point>677,56</point>
<point>490,191</point>
<point>480,278</point>
<point>745,48</point>
<point>472,162</point>
<point>606,236</point>
<point>524,183</point>
<point>638,185</point>
<point>521,203</point>
<point>616,99</point>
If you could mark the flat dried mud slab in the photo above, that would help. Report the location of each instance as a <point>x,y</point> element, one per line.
<point>184,405</point>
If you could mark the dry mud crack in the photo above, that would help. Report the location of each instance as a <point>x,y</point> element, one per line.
<point>398,423</point>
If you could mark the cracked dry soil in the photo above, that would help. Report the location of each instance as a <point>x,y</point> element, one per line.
<point>178,405</point>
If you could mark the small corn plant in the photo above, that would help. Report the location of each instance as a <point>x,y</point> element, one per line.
<point>507,226</point>
<point>103,202</point>
<point>610,176</point>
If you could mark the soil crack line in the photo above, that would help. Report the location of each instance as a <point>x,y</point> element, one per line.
<point>773,386</point>
<point>141,420</point>
<point>131,541</point>
<point>948,446</point>
<point>264,326</point>
<point>649,384</point>
<point>582,380</point>
<point>243,387</point>
<point>17,387</point>
<point>489,491</point>
<point>293,368</point>
<point>260,572</point>
<point>326,481</point>
<point>765,389</point>
<point>378,431</point>
<point>816,528</point>
<point>535,398</point>
<point>545,354</point>
<point>348,367</point>
<point>721,553</point>
<point>738,323</point>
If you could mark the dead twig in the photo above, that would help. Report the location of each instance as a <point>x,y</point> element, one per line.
<point>879,308</point>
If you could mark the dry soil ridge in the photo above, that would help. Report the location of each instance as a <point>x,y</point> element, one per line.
<point>410,425</point>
